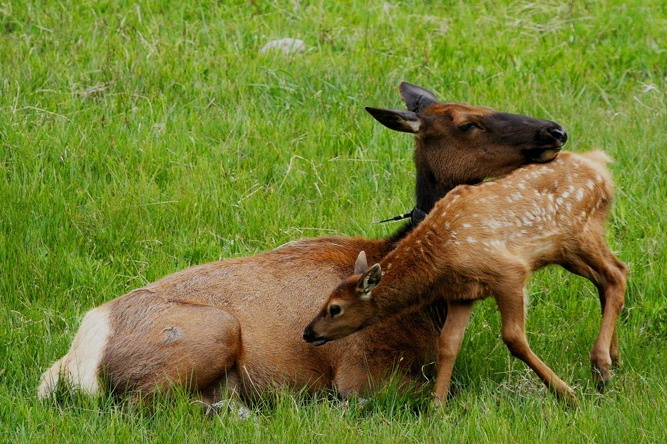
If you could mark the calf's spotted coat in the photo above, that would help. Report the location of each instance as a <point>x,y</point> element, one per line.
<point>486,240</point>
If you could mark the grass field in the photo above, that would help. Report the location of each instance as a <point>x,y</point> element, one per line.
<point>138,138</point>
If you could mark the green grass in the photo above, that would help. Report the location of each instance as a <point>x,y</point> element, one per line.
<point>138,138</point>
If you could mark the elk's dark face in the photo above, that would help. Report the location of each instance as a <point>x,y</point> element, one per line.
<point>463,144</point>
<point>482,142</point>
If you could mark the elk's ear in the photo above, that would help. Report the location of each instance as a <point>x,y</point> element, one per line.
<point>416,98</point>
<point>361,264</point>
<point>396,119</point>
<point>369,281</point>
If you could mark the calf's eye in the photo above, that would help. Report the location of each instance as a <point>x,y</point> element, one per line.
<point>334,310</point>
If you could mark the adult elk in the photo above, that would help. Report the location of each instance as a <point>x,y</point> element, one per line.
<point>486,240</point>
<point>235,325</point>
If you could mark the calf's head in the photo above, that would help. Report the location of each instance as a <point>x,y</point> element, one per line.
<point>349,308</point>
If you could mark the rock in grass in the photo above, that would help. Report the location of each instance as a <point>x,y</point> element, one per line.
<point>286,45</point>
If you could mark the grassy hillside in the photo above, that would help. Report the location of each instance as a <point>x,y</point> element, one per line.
<point>138,138</point>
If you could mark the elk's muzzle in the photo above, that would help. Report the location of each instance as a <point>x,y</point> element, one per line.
<point>310,336</point>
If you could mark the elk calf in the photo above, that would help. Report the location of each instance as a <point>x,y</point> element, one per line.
<point>486,240</point>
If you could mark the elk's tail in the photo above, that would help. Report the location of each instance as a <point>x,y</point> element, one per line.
<point>80,367</point>
<point>49,381</point>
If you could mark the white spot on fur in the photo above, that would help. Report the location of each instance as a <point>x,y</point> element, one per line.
<point>580,195</point>
<point>81,363</point>
<point>466,225</point>
<point>471,240</point>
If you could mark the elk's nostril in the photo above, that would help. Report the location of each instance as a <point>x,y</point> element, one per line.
<point>558,134</point>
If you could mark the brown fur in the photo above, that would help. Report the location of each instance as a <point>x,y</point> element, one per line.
<point>486,240</point>
<point>235,325</point>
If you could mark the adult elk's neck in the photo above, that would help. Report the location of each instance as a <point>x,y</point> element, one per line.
<point>437,172</point>
<point>429,189</point>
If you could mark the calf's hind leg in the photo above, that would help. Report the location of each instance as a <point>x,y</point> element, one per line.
<point>609,275</point>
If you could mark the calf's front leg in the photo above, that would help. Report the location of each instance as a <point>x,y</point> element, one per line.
<point>449,344</point>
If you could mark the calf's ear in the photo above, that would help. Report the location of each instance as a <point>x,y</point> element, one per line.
<point>361,264</point>
<point>369,281</point>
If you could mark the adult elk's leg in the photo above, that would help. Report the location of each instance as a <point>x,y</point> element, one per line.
<point>451,337</point>
<point>510,300</point>
<point>225,394</point>
<point>159,344</point>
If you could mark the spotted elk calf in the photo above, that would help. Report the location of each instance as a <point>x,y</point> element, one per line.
<point>234,326</point>
<point>486,240</point>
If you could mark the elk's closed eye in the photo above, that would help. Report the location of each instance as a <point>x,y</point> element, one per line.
<point>466,127</point>
<point>334,310</point>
